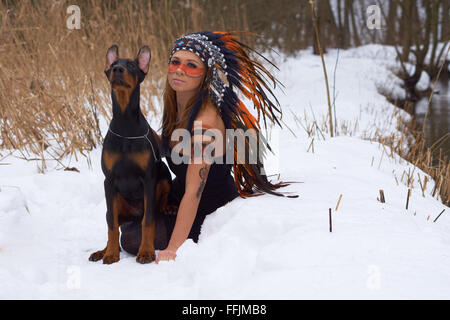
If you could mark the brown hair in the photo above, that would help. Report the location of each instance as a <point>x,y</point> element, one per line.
<point>250,77</point>
<point>247,176</point>
<point>170,107</point>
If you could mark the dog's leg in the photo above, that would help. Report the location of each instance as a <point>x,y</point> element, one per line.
<point>162,191</point>
<point>111,253</point>
<point>146,253</point>
<point>113,204</point>
<point>162,197</point>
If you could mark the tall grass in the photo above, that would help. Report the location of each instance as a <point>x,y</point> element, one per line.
<point>53,91</point>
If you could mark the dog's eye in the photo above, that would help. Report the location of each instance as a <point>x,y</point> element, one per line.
<point>131,66</point>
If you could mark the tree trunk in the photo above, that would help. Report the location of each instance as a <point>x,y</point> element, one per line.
<point>357,41</point>
<point>347,13</point>
<point>445,21</point>
<point>340,26</point>
<point>328,24</point>
<point>391,23</point>
<point>407,10</point>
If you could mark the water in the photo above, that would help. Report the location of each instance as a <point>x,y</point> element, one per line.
<point>438,119</point>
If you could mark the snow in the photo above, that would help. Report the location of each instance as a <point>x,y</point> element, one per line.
<point>261,248</point>
<point>424,82</point>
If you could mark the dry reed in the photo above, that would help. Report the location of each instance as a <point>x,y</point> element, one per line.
<point>53,92</point>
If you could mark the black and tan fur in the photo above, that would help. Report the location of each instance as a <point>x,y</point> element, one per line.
<point>136,184</point>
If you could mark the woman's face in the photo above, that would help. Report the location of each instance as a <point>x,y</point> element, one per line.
<point>186,71</point>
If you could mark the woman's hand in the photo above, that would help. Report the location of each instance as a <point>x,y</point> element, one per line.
<point>166,255</point>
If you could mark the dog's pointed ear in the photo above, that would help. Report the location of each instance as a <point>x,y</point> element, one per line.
<point>111,55</point>
<point>143,58</point>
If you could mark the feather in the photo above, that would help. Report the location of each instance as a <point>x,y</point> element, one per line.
<point>236,70</point>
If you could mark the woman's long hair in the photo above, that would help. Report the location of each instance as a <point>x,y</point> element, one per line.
<point>249,178</point>
<point>170,122</point>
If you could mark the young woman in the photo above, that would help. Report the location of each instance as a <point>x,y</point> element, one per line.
<point>204,70</point>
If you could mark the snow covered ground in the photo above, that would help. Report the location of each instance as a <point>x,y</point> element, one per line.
<point>262,248</point>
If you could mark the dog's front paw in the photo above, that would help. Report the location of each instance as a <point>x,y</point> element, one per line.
<point>111,258</point>
<point>146,256</point>
<point>170,209</point>
<point>97,255</point>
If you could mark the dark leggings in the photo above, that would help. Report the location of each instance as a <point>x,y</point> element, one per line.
<point>131,234</point>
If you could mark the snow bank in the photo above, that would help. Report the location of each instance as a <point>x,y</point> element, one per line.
<point>262,248</point>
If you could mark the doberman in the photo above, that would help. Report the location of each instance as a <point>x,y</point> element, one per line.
<point>137,182</point>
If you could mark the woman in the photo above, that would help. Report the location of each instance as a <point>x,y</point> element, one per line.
<point>204,69</point>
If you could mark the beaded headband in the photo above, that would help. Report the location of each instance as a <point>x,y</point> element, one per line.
<point>232,69</point>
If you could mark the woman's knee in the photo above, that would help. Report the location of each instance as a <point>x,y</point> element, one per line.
<point>131,234</point>
<point>130,238</point>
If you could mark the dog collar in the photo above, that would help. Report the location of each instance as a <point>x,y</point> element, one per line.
<point>138,137</point>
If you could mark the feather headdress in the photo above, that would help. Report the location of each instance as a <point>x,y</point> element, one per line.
<point>229,68</point>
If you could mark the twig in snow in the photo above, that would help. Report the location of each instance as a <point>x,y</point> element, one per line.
<point>439,215</point>
<point>331,222</point>
<point>382,154</point>
<point>315,121</point>
<point>311,144</point>
<point>402,175</point>
<point>288,128</point>
<point>320,131</point>
<point>4,157</point>
<point>396,179</point>
<point>382,200</point>
<point>421,186</point>
<point>339,201</point>
<point>407,198</point>
<point>425,183</point>
<point>439,189</point>
<point>298,121</point>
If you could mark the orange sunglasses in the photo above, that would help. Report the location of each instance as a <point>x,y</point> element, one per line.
<point>190,71</point>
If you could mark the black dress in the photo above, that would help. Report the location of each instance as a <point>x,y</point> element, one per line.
<point>220,188</point>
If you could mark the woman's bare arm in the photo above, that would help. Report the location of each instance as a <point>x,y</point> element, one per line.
<point>196,176</point>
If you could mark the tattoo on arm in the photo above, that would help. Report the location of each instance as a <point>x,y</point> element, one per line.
<point>203,173</point>
<point>201,140</point>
